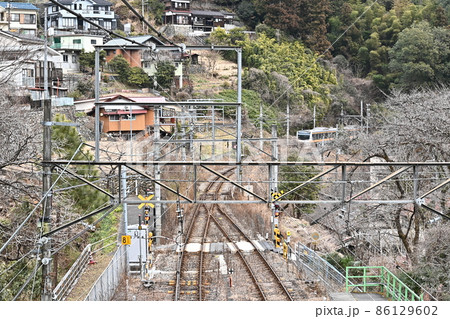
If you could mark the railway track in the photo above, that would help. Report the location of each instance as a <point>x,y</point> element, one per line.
<point>258,280</point>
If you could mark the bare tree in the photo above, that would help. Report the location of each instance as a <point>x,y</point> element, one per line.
<point>409,128</point>
<point>20,135</point>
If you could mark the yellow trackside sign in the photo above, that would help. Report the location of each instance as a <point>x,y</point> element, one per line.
<point>126,240</point>
<point>143,198</point>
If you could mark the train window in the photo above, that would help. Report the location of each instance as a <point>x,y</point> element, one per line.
<point>304,136</point>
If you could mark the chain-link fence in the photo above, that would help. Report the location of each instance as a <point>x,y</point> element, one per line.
<point>70,278</point>
<point>106,285</point>
<point>315,267</point>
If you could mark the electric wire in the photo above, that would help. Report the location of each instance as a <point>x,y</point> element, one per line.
<point>16,263</point>
<point>37,205</point>
<point>142,19</point>
<point>27,282</point>
<point>79,16</point>
<point>326,50</point>
<point>17,274</point>
<point>406,274</point>
<point>84,231</point>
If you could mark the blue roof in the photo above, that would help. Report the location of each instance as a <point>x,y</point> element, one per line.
<point>19,5</point>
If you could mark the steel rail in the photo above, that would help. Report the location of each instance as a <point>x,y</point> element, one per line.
<point>259,253</point>
<point>252,274</point>
<point>181,258</point>
<point>200,272</point>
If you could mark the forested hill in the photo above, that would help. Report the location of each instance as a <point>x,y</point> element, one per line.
<point>397,43</point>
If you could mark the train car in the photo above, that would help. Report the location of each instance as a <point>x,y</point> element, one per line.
<point>322,134</point>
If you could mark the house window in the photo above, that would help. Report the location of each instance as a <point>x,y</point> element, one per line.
<point>29,18</point>
<point>114,117</point>
<point>55,8</point>
<point>28,73</point>
<point>65,58</point>
<point>74,58</point>
<point>77,41</point>
<point>107,24</point>
<point>28,77</point>
<point>68,22</point>
<point>15,17</point>
<point>126,117</point>
<point>28,32</point>
<point>93,41</point>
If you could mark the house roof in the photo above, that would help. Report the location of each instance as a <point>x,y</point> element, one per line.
<point>99,2</point>
<point>90,103</point>
<point>28,39</point>
<point>19,5</point>
<point>207,13</point>
<point>140,39</point>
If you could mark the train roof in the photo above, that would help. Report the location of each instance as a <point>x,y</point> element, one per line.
<point>330,129</point>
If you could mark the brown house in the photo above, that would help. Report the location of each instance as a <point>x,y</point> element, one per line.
<point>129,50</point>
<point>127,120</point>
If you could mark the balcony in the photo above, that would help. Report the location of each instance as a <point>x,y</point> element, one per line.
<point>98,13</point>
<point>63,46</point>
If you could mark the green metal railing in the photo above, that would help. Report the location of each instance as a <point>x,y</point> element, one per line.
<point>378,279</point>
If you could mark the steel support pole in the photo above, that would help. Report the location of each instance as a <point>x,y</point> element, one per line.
<point>239,116</point>
<point>287,131</point>
<point>157,174</point>
<point>47,288</point>
<point>273,177</point>
<point>261,142</point>
<point>213,133</point>
<point>122,196</point>
<point>97,107</point>
<point>195,183</point>
<point>344,184</point>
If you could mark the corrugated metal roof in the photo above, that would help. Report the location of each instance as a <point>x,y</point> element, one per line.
<point>207,13</point>
<point>141,39</point>
<point>99,2</point>
<point>19,5</point>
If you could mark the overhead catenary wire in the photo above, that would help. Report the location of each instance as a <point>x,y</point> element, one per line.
<point>326,50</point>
<point>16,263</point>
<point>27,281</point>
<point>79,16</point>
<point>406,274</point>
<point>142,19</point>
<point>40,202</point>
<point>84,230</point>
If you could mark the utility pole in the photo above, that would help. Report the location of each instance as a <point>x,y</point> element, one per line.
<point>287,130</point>
<point>143,15</point>
<point>123,186</point>
<point>362,115</point>
<point>47,288</point>
<point>131,132</point>
<point>157,174</point>
<point>239,116</point>
<point>97,107</point>
<point>213,133</point>
<point>9,16</point>
<point>273,176</point>
<point>261,142</point>
<point>314,116</point>
<point>367,117</point>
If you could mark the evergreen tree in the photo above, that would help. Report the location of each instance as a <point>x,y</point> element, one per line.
<point>66,141</point>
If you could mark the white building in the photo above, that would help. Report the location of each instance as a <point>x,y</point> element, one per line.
<point>71,45</point>
<point>22,67</point>
<point>18,17</point>
<point>98,11</point>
